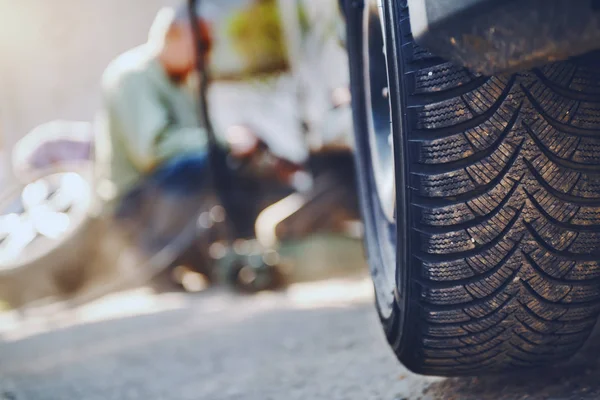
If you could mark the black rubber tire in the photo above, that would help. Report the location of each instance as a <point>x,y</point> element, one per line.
<point>498,207</point>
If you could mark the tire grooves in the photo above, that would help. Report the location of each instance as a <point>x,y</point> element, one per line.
<point>565,91</point>
<point>472,223</point>
<point>560,224</point>
<point>474,158</point>
<point>438,133</point>
<point>558,125</point>
<point>573,165</point>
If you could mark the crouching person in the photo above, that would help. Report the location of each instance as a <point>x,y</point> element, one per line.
<point>151,147</point>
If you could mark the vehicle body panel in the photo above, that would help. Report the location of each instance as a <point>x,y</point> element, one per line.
<point>496,36</point>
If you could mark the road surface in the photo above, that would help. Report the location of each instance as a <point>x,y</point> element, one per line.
<point>317,341</point>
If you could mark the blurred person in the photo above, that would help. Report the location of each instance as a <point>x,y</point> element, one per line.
<point>252,156</point>
<point>151,147</point>
<point>259,176</point>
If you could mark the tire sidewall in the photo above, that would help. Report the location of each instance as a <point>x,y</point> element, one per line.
<point>388,308</point>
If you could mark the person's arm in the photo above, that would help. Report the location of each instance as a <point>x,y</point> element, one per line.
<point>149,137</point>
<point>178,140</point>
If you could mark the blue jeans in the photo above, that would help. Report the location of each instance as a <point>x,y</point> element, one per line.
<point>162,207</point>
<point>181,176</point>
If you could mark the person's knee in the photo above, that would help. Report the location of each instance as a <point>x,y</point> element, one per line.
<point>182,174</point>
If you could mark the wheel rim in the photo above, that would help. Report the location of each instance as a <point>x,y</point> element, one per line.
<point>39,217</point>
<point>378,109</point>
<point>381,152</point>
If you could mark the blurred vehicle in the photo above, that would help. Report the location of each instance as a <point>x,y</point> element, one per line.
<point>288,172</point>
<point>479,177</point>
<point>56,146</point>
<point>44,224</point>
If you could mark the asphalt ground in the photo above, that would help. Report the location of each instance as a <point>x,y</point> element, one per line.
<point>314,341</point>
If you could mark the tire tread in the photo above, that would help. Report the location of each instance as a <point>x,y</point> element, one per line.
<point>505,193</point>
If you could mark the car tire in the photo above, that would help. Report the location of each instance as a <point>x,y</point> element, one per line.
<point>489,258</point>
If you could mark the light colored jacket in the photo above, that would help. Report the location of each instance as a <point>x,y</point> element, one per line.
<point>147,119</point>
